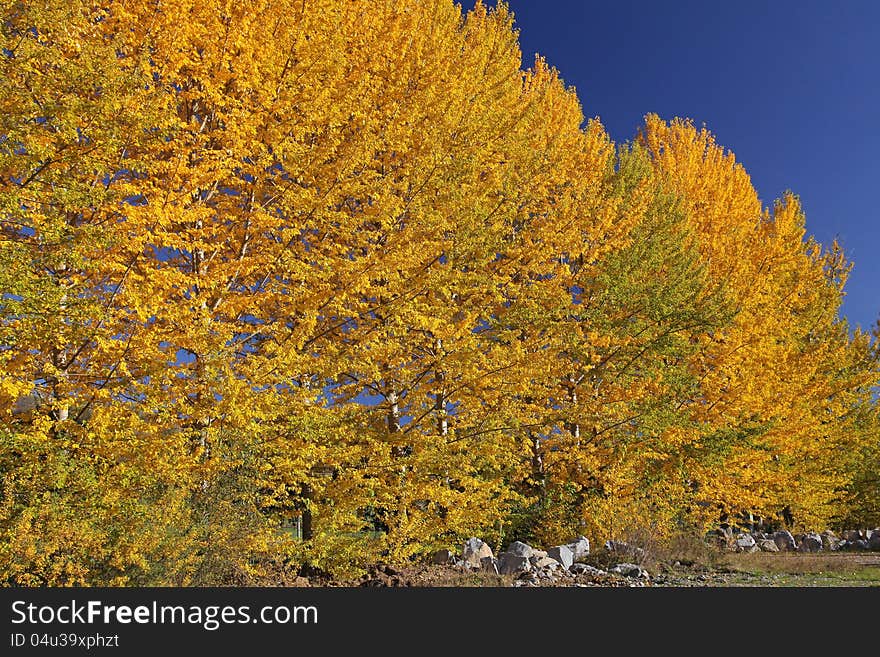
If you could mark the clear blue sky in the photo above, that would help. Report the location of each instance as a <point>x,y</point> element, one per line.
<point>792,87</point>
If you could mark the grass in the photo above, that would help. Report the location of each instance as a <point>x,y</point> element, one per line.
<point>796,562</point>
<point>795,569</point>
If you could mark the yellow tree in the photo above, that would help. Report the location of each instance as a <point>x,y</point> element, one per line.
<point>617,372</point>
<point>72,115</point>
<point>776,382</point>
<point>290,201</point>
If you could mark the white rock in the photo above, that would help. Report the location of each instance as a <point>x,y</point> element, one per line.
<point>520,549</point>
<point>563,554</point>
<point>630,570</point>
<point>784,541</point>
<point>474,550</point>
<point>513,564</point>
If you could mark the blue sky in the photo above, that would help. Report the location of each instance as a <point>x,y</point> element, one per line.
<point>793,88</point>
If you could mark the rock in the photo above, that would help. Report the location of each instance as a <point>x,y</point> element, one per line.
<point>563,554</point>
<point>474,550</point>
<point>859,544</point>
<point>443,558</point>
<point>630,570</point>
<point>391,571</point>
<point>537,554</point>
<point>830,541</point>
<point>584,569</point>
<point>874,541</point>
<point>784,541</point>
<point>545,562</point>
<point>489,565</point>
<point>744,543</point>
<point>717,540</point>
<point>850,535</point>
<point>512,564</point>
<point>810,543</point>
<point>726,532</point>
<point>580,547</point>
<point>619,548</point>
<point>520,549</point>
<point>767,545</point>
<point>301,581</point>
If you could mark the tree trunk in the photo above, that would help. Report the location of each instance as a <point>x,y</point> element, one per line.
<point>440,396</point>
<point>307,532</point>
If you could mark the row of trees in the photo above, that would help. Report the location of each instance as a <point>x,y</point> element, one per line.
<point>346,260</point>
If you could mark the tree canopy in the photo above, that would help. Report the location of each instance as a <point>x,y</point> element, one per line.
<point>348,262</point>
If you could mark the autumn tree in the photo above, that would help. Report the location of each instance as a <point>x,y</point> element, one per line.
<point>778,384</point>
<point>348,262</point>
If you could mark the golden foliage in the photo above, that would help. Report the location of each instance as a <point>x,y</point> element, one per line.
<point>348,262</point>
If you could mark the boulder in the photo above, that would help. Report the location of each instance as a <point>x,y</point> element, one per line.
<point>830,541</point>
<point>850,535</point>
<point>513,564</point>
<point>853,546</point>
<point>545,562</point>
<point>489,565</point>
<point>630,570</point>
<point>811,542</point>
<point>619,548</point>
<point>474,550</point>
<point>580,547</point>
<point>874,541</point>
<point>563,554</point>
<point>537,554</point>
<point>784,541</point>
<point>745,543</point>
<point>520,549</point>
<point>767,545</point>
<point>727,535</point>
<point>443,558</point>
<point>584,569</point>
